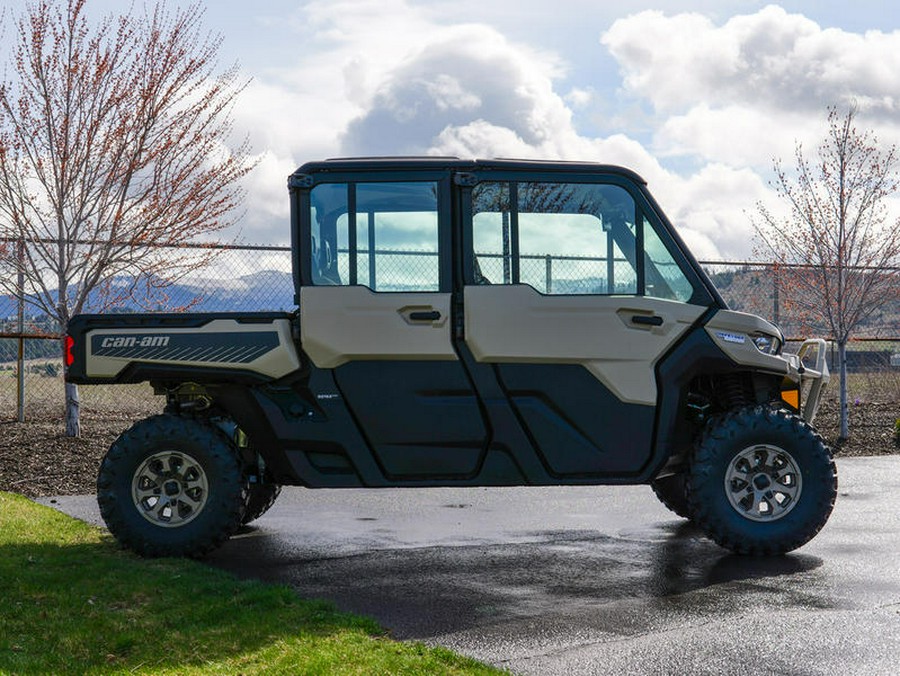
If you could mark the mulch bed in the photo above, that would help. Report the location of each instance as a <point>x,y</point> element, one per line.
<point>36,459</point>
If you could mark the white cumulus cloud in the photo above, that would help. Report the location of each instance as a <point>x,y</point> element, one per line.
<point>463,74</point>
<point>772,57</point>
<point>743,92</point>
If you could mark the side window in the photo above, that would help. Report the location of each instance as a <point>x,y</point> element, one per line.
<point>388,242</point>
<point>491,233</point>
<point>664,279</point>
<point>561,238</point>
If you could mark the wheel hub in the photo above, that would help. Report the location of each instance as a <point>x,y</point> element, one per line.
<point>170,489</point>
<point>763,483</point>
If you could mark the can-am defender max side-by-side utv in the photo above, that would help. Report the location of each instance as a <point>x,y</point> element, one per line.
<point>466,323</point>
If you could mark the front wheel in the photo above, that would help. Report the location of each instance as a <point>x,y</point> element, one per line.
<point>171,486</point>
<point>761,481</point>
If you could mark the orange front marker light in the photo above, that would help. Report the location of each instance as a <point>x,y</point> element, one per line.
<point>69,357</point>
<point>792,398</point>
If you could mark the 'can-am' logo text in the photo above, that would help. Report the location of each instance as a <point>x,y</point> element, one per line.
<point>135,341</point>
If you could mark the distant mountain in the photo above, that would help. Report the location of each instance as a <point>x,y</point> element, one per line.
<point>267,290</point>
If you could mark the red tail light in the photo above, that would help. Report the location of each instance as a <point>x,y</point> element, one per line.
<point>69,343</point>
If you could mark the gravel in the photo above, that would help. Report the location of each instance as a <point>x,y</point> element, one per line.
<point>36,459</point>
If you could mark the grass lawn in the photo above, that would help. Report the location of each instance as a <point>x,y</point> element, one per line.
<point>72,602</point>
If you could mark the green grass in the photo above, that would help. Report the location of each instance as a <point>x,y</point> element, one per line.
<point>72,602</point>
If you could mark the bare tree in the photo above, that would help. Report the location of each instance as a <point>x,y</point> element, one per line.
<point>839,230</point>
<point>115,139</point>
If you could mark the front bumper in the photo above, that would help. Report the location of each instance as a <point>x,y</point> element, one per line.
<point>808,376</point>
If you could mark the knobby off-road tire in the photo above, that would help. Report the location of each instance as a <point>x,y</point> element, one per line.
<point>260,497</point>
<point>672,492</point>
<point>172,486</point>
<point>761,481</point>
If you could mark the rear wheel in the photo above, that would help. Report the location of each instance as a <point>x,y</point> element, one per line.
<point>260,497</point>
<point>761,481</point>
<point>672,492</point>
<point>171,486</point>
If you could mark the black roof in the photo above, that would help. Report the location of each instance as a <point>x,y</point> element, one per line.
<point>456,164</point>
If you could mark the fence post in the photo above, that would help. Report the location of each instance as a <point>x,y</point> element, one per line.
<point>507,276</point>
<point>775,298</point>
<point>20,300</point>
<point>548,272</point>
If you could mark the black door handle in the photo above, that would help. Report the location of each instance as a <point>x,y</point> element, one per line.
<point>651,320</point>
<point>430,316</point>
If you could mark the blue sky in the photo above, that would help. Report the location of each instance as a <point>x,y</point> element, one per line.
<point>698,96</point>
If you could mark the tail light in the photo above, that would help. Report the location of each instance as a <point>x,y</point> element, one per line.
<point>69,357</point>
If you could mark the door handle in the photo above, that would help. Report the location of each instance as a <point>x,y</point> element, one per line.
<point>647,320</point>
<point>425,316</point>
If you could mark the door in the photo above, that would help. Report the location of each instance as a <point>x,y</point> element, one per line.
<point>377,315</point>
<point>573,299</point>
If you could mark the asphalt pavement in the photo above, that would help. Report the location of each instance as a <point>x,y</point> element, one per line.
<point>589,580</point>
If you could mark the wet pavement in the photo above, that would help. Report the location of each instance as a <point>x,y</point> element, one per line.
<point>590,580</point>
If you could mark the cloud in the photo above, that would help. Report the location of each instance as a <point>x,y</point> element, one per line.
<point>713,209</point>
<point>266,209</point>
<point>736,135</point>
<point>745,91</point>
<point>481,139</point>
<point>463,74</point>
<point>774,58</point>
<point>579,97</point>
<point>344,47</point>
<point>448,94</point>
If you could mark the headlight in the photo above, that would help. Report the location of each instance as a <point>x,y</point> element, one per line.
<point>765,343</point>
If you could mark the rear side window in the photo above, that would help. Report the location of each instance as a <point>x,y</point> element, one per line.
<point>380,235</point>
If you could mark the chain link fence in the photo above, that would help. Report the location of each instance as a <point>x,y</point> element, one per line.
<point>243,278</point>
<point>767,290</point>
<point>258,278</point>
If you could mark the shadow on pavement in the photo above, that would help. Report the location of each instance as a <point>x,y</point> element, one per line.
<point>430,591</point>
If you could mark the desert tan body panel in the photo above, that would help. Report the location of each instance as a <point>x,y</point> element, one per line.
<point>352,323</point>
<point>518,324</point>
<point>267,349</point>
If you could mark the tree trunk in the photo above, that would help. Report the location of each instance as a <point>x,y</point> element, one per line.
<point>845,413</point>
<point>73,405</point>
<point>73,420</point>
